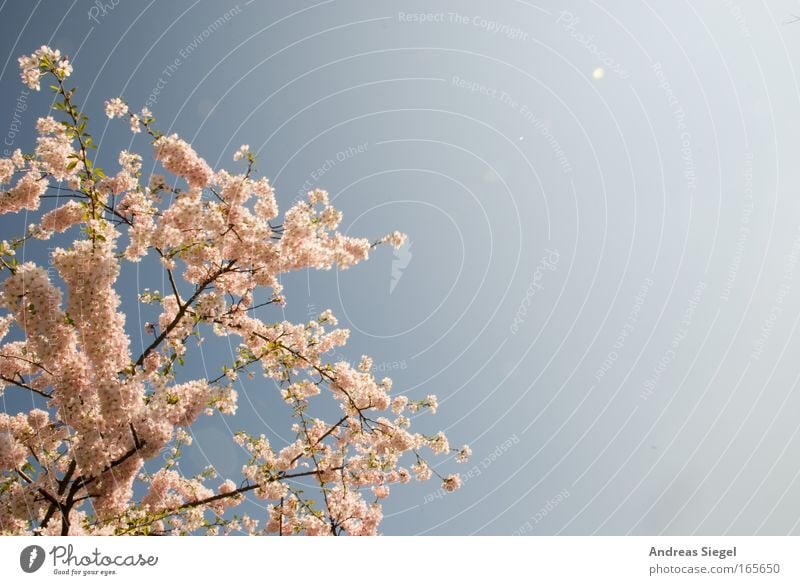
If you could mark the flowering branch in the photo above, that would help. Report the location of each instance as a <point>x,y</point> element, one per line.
<point>73,466</point>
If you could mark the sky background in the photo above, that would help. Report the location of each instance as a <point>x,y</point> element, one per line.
<point>603,207</point>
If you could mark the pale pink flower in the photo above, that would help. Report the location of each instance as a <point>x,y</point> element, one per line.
<point>62,218</point>
<point>463,454</point>
<point>48,125</point>
<point>327,316</point>
<point>243,151</point>
<point>422,471</point>
<point>25,195</point>
<point>318,196</point>
<point>399,403</point>
<point>119,412</point>
<point>439,444</point>
<point>18,159</point>
<point>452,482</point>
<point>31,66</point>
<point>116,108</point>
<point>432,403</point>
<point>395,239</point>
<point>179,158</point>
<point>6,169</point>
<point>55,155</point>
<point>381,491</point>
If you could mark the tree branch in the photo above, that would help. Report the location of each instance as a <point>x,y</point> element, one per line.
<point>25,387</point>
<point>182,312</point>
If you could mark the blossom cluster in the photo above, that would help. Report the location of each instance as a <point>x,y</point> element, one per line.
<point>72,464</point>
<point>33,67</point>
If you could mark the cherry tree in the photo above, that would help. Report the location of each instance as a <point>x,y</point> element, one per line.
<point>100,454</point>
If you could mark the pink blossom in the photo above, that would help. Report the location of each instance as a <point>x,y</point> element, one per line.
<point>396,239</point>
<point>244,149</point>
<point>24,195</point>
<point>55,154</point>
<point>452,482</point>
<point>63,217</point>
<point>48,125</point>
<point>464,454</point>
<point>381,491</point>
<point>116,108</point>
<point>32,67</point>
<point>7,168</point>
<point>117,416</point>
<point>179,158</point>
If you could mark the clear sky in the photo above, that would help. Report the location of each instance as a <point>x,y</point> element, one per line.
<point>603,205</point>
